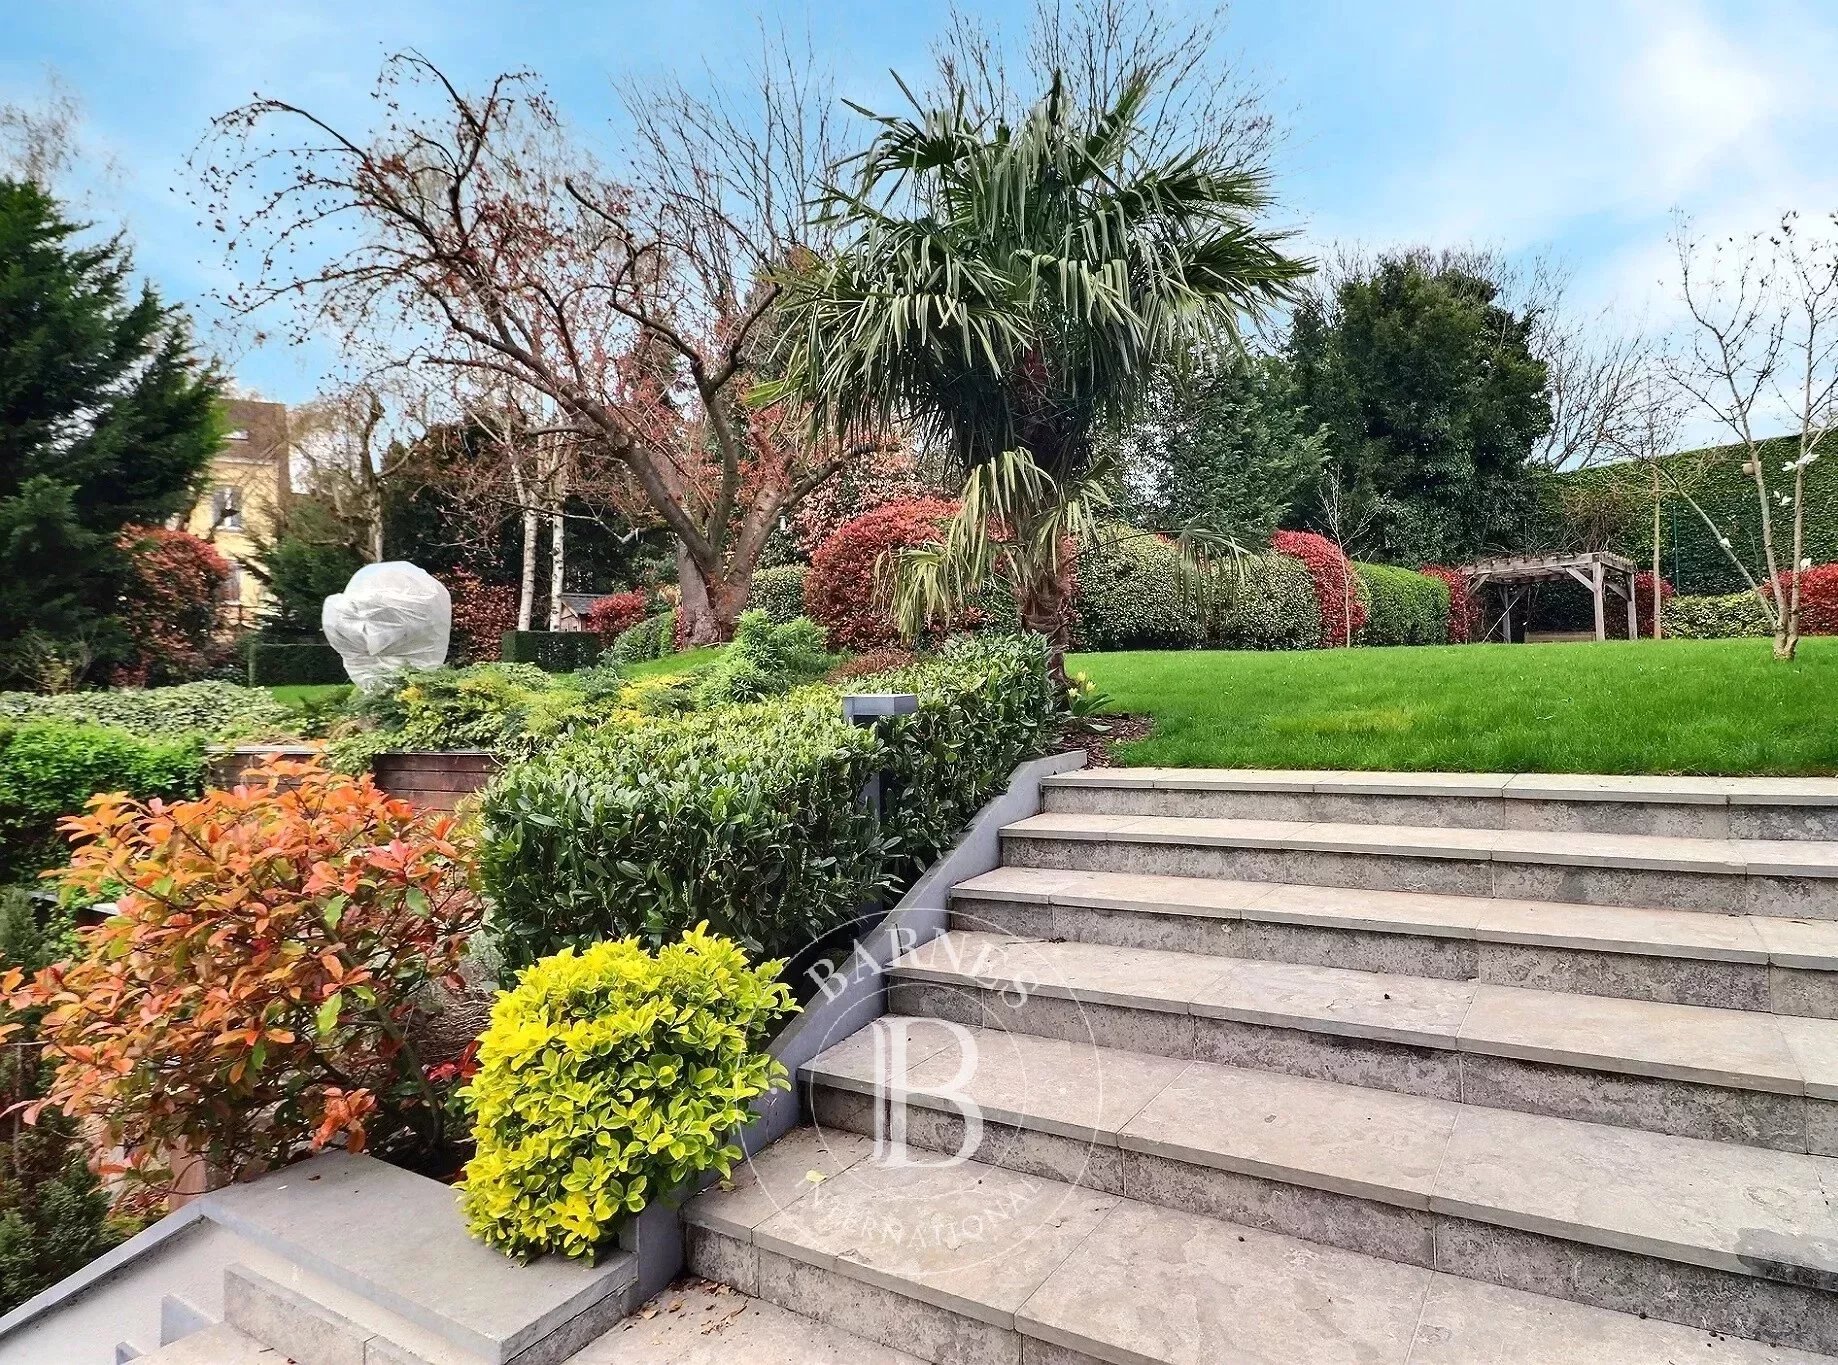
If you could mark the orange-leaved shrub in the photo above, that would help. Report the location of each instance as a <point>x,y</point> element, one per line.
<point>256,993</point>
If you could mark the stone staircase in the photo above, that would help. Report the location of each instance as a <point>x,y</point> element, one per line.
<point>1239,1066</point>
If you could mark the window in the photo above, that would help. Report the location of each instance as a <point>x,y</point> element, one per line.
<point>232,589</point>
<point>238,435</point>
<point>227,509</point>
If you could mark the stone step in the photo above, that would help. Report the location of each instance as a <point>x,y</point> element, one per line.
<point>1692,807</point>
<point>1747,962</point>
<point>1366,1170</point>
<point>701,1322</point>
<point>1724,1075</point>
<point>969,1262</point>
<point>1784,877</point>
<point>217,1345</point>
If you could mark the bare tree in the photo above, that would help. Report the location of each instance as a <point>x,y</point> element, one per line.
<point>350,447</point>
<point>1762,351</point>
<point>1347,519</point>
<point>470,233</point>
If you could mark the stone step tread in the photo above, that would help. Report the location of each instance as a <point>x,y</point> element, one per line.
<point>216,1345</point>
<point>1712,1204</point>
<point>1130,1282</point>
<point>1806,944</point>
<point>1732,1048</point>
<point>396,1239</point>
<point>1684,790</point>
<point>1647,852</point>
<point>702,1323</point>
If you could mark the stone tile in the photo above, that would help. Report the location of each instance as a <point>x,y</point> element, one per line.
<point>1710,1300</point>
<point>1263,833</point>
<point>1438,812</point>
<point>1789,897</point>
<point>1361,1142</point>
<point>1814,1046</point>
<point>1390,911</point>
<point>1756,1118</point>
<point>1743,1210</point>
<point>1013,919</point>
<point>1812,994</point>
<point>1432,1072</point>
<point>1155,1284</point>
<point>726,1260</point>
<point>1068,826</point>
<point>1671,820</point>
<point>887,1048</point>
<point>1449,959</point>
<point>1821,1127</point>
<point>1811,944</point>
<point>1782,791</point>
<point>1614,928</point>
<point>289,1321</point>
<point>1189,895</point>
<point>1242,779</point>
<point>884,1315</point>
<point>1628,976</point>
<point>1468,1323</point>
<point>1619,788</point>
<point>1218,804</point>
<point>1471,785</point>
<point>1094,800</point>
<point>1398,1009</point>
<point>1755,821</point>
<point>1096,973</point>
<point>1791,858</point>
<point>1713,1047</point>
<point>974,1240</point>
<point>692,1324</point>
<point>1377,871</point>
<point>1148,929</point>
<point>773,1180</point>
<point>844,1111</point>
<point>1071,1161</point>
<point>1353,1224</point>
<point>1037,1352</point>
<point>1160,1032</point>
<point>1720,894</point>
<point>1014,884</point>
<point>1412,841</point>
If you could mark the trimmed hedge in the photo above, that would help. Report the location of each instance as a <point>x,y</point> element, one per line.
<point>553,651</point>
<point>50,769</point>
<point>747,817</point>
<point>219,710</point>
<point>279,665</point>
<point>1272,606</point>
<point>1466,617</point>
<point>1129,594</point>
<point>1715,618</point>
<point>1403,607</point>
<point>1340,605</point>
<point>779,593</point>
<point>652,638</point>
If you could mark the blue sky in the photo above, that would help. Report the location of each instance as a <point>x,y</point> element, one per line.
<point>1572,127</point>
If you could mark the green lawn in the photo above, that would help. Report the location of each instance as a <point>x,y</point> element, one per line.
<point>1678,706</point>
<point>689,661</point>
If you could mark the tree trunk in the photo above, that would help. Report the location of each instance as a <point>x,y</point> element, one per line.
<point>1658,597</point>
<point>526,588</point>
<point>557,551</point>
<point>708,606</point>
<point>1044,610</point>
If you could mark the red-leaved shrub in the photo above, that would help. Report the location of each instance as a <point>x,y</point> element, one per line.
<point>616,612</point>
<point>256,991</point>
<point>1465,624</point>
<point>1818,598</point>
<point>1336,590</point>
<point>1643,602</point>
<point>170,607</point>
<point>877,479</point>
<point>482,612</point>
<point>843,592</point>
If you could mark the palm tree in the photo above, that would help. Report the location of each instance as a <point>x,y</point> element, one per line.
<point>1003,291</point>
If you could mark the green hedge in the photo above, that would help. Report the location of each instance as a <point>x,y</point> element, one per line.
<point>50,769</point>
<point>220,710</point>
<point>272,665</point>
<point>553,651</point>
<point>1403,607</point>
<point>779,593</point>
<point>651,638</point>
<point>1714,618</point>
<point>747,816</point>
<point>1271,606</point>
<point>1130,597</point>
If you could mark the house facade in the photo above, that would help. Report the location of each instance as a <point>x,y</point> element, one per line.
<point>241,506</point>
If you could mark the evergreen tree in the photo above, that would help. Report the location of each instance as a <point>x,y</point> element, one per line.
<point>107,419</point>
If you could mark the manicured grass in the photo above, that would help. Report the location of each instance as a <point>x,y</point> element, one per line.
<point>689,661</point>
<point>1677,706</point>
<point>301,696</point>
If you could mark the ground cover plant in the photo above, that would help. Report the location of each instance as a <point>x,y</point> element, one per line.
<point>215,710</point>
<point>1672,706</point>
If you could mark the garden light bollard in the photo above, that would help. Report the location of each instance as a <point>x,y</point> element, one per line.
<point>870,708</point>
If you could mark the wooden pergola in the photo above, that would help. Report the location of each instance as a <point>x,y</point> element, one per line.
<point>1597,570</point>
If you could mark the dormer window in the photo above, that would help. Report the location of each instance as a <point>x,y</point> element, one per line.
<point>237,436</point>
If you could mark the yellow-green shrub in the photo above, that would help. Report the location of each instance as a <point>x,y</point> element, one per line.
<point>611,1077</point>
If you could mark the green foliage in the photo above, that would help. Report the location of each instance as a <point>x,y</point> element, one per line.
<point>311,559</point>
<point>1129,594</point>
<point>651,638</point>
<point>1223,445</point>
<point>1715,618</point>
<point>1433,402</point>
<point>50,768</point>
<point>765,660</point>
<point>216,710</point>
<point>747,816</point>
<point>53,1212</point>
<point>276,664</point>
<point>553,651</point>
<point>106,419</point>
<point>1403,607</point>
<point>1271,605</point>
<point>611,1078</point>
<point>779,592</point>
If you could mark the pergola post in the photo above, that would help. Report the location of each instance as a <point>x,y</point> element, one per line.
<point>1595,591</point>
<point>1633,613</point>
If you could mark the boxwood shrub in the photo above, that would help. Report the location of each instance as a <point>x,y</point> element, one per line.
<point>1403,607</point>
<point>1129,594</point>
<point>651,638</point>
<point>287,665</point>
<point>1271,606</point>
<point>747,817</point>
<point>1714,618</point>
<point>779,593</point>
<point>553,651</point>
